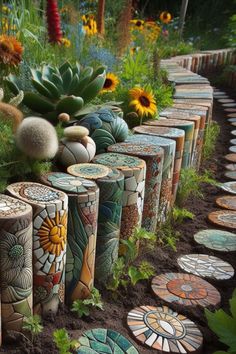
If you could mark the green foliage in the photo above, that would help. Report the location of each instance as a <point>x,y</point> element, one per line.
<point>224,325</point>
<point>179,214</point>
<point>211,135</point>
<point>126,270</point>
<point>63,342</point>
<point>83,307</point>
<point>190,184</point>
<point>231,35</point>
<point>32,324</point>
<point>167,236</point>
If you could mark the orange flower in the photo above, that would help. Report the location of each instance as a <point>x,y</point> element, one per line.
<point>165,17</point>
<point>10,50</point>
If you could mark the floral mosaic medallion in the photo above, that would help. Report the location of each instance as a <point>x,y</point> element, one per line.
<point>118,160</point>
<point>231,157</point>
<point>89,170</point>
<point>232,149</point>
<point>231,174</point>
<point>218,240</point>
<point>229,187</point>
<point>99,340</point>
<point>164,330</point>
<point>204,265</point>
<point>225,218</point>
<point>11,207</point>
<point>185,289</point>
<point>227,202</point>
<point>231,167</point>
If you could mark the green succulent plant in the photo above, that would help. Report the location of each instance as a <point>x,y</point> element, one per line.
<point>66,89</point>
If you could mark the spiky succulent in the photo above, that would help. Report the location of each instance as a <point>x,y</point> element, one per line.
<point>60,90</point>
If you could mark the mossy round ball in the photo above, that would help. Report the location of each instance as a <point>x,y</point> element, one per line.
<point>37,138</point>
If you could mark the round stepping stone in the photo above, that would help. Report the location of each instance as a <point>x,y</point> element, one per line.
<point>164,329</point>
<point>231,115</point>
<point>88,170</point>
<point>230,167</point>
<point>233,141</point>
<point>233,124</point>
<point>229,105</point>
<point>229,187</point>
<point>218,93</point>
<point>231,120</point>
<point>231,157</point>
<point>224,218</point>
<point>185,289</point>
<point>206,266</point>
<point>227,202</point>
<point>231,175</point>
<point>225,100</point>
<point>232,148</point>
<point>101,340</point>
<point>230,110</point>
<point>219,97</point>
<point>218,240</point>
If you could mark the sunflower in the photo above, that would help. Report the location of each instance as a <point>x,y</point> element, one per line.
<point>89,24</point>
<point>165,17</point>
<point>143,102</point>
<point>10,50</point>
<point>137,24</point>
<point>110,83</point>
<point>53,233</point>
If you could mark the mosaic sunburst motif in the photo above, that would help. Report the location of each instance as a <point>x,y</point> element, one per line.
<point>53,233</point>
<point>185,289</point>
<point>164,329</point>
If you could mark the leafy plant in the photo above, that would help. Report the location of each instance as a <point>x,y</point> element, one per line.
<point>224,325</point>
<point>144,271</point>
<point>211,135</point>
<point>179,214</point>
<point>83,307</point>
<point>167,235</point>
<point>32,324</point>
<point>63,342</point>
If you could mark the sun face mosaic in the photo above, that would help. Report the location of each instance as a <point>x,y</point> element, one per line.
<point>207,266</point>
<point>218,240</point>
<point>164,330</point>
<point>185,289</point>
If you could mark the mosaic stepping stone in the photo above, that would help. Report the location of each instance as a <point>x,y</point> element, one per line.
<point>185,289</point>
<point>219,97</point>
<point>206,266</point>
<point>229,105</point>
<point>231,174</point>
<point>219,240</point>
<point>225,218</point>
<point>164,330</point>
<point>233,124</point>
<point>232,148</point>
<point>229,187</point>
<point>231,110</point>
<point>231,120</point>
<point>100,340</point>
<point>233,141</point>
<point>226,100</point>
<point>227,202</point>
<point>88,170</point>
<point>218,93</point>
<point>231,157</point>
<point>231,115</point>
<point>230,167</point>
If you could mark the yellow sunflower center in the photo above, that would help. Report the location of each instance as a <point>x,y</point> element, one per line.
<point>144,101</point>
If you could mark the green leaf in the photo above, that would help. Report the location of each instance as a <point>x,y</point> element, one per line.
<point>134,274</point>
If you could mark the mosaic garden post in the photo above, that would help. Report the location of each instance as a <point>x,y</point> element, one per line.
<point>168,147</point>
<point>153,156</point>
<point>49,242</point>
<point>16,273</point>
<point>111,186</point>
<point>82,231</point>
<point>134,170</point>
<point>172,133</point>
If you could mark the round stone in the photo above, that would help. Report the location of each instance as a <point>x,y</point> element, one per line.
<point>225,100</point>
<point>227,202</point>
<point>75,132</point>
<point>229,187</point>
<point>89,170</point>
<point>101,340</point>
<point>224,218</point>
<point>233,124</point>
<point>206,266</point>
<point>231,174</point>
<point>231,120</point>
<point>231,115</point>
<point>233,132</point>
<point>185,289</point>
<point>233,141</point>
<point>232,149</point>
<point>231,167</point>
<point>229,105</point>
<point>231,157</point>
<point>165,330</point>
<point>218,240</point>
<point>231,110</point>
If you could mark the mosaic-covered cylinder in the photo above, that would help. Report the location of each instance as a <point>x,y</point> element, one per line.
<point>153,156</point>
<point>134,170</point>
<point>188,127</point>
<point>50,208</point>
<point>111,185</point>
<point>16,274</point>
<point>178,136</point>
<point>83,198</point>
<point>168,147</point>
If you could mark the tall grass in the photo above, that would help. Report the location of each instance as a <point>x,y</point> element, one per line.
<point>211,135</point>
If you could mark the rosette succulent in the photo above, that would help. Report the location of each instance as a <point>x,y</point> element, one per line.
<point>60,90</point>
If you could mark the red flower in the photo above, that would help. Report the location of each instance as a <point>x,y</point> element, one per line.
<point>53,21</point>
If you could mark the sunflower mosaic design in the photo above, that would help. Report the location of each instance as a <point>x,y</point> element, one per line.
<point>10,50</point>
<point>143,102</point>
<point>110,83</point>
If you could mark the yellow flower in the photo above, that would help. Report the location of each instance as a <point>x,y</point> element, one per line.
<point>66,42</point>
<point>165,17</point>
<point>111,83</point>
<point>5,9</point>
<point>137,24</point>
<point>52,234</point>
<point>10,50</point>
<point>143,102</point>
<point>89,24</point>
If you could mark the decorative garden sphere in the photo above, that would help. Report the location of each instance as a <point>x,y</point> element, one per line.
<point>76,146</point>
